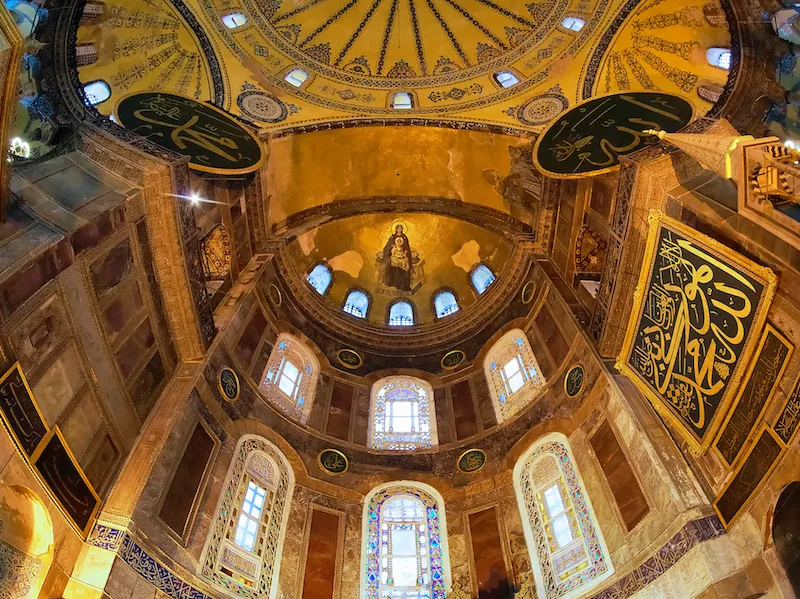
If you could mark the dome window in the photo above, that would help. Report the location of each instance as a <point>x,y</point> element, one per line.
<point>356,304</point>
<point>320,278</point>
<point>401,314</point>
<point>482,278</point>
<point>506,79</point>
<point>719,57</point>
<point>296,77</point>
<point>96,92</point>
<point>234,20</point>
<point>445,304</point>
<point>402,101</point>
<point>573,23</point>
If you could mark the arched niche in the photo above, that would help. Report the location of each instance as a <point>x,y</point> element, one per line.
<point>786,533</point>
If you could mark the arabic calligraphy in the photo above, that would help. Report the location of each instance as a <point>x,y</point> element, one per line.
<point>693,325</point>
<point>333,461</point>
<point>591,137</point>
<point>787,422</point>
<point>211,138</point>
<point>19,410</point>
<point>229,384</point>
<point>471,461</point>
<point>573,382</point>
<point>773,355</point>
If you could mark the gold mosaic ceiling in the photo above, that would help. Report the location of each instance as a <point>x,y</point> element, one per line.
<point>358,53</point>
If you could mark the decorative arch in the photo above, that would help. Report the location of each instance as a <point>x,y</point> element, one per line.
<point>786,532</point>
<point>410,512</point>
<point>402,416</point>
<point>260,480</point>
<point>290,378</point>
<point>512,373</point>
<point>568,553</point>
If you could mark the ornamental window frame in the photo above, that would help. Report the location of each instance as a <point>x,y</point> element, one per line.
<point>288,349</point>
<point>507,402</point>
<point>239,573</point>
<point>381,435</point>
<point>549,464</point>
<point>373,540</point>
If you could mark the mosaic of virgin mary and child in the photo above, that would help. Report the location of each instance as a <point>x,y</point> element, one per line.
<point>402,269</point>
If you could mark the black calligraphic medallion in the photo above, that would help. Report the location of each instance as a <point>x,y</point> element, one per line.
<point>452,359</point>
<point>349,359</point>
<point>20,411</point>
<point>527,293</point>
<point>698,312</point>
<point>60,470</point>
<point>229,384</point>
<point>573,381</point>
<point>471,461</point>
<point>590,138</point>
<point>214,141</point>
<point>333,461</point>
<point>275,295</point>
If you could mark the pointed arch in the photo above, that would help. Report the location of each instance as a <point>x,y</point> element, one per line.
<point>411,513</point>
<point>290,378</point>
<point>256,495</point>
<point>568,553</point>
<point>512,373</point>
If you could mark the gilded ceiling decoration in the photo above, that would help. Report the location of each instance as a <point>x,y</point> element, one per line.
<point>392,256</point>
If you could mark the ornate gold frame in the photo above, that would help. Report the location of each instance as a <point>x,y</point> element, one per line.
<point>238,384</point>
<point>277,302</point>
<point>583,383</point>
<point>656,220</point>
<point>529,285</point>
<point>56,432</point>
<point>337,452</point>
<point>456,365</point>
<point>458,461</point>
<point>7,425</point>
<point>345,364</point>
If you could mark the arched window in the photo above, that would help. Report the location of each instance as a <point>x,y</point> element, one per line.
<point>357,304</point>
<point>513,374</point>
<point>481,278</point>
<point>401,414</point>
<point>404,549</point>
<point>234,20</point>
<point>506,79</point>
<point>402,101</point>
<point>445,303</point>
<point>242,553</point>
<point>573,23</point>
<point>290,377</point>
<point>566,547</point>
<point>719,57</point>
<point>296,77</point>
<point>320,278</point>
<point>96,92</point>
<point>401,314</point>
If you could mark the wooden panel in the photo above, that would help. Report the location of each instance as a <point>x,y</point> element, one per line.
<point>340,410</point>
<point>463,410</point>
<point>176,508</point>
<point>552,335</point>
<point>251,336</point>
<point>628,494</point>
<point>323,545</point>
<point>487,550</point>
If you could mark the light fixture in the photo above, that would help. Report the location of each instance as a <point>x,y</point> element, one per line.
<point>195,199</point>
<point>20,148</point>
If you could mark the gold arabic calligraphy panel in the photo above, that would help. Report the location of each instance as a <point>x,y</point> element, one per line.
<point>698,309</point>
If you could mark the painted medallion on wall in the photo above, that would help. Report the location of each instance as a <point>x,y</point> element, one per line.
<point>471,461</point>
<point>573,381</point>
<point>229,384</point>
<point>20,412</point>
<point>349,358</point>
<point>214,141</point>
<point>452,359</point>
<point>698,310</point>
<point>333,461</point>
<point>589,139</point>
<point>540,110</point>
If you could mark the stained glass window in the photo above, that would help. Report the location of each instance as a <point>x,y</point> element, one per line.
<point>445,304</point>
<point>320,278</point>
<point>290,377</point>
<point>481,277</point>
<point>357,304</point>
<point>245,541</point>
<point>566,546</point>
<point>405,550</point>
<point>513,374</point>
<point>402,414</point>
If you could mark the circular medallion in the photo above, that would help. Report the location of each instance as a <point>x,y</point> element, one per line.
<point>349,359</point>
<point>261,106</point>
<point>452,359</point>
<point>275,296</point>
<point>573,381</point>
<point>229,384</point>
<point>528,292</point>
<point>542,109</point>
<point>333,461</point>
<point>213,139</point>
<point>471,461</point>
